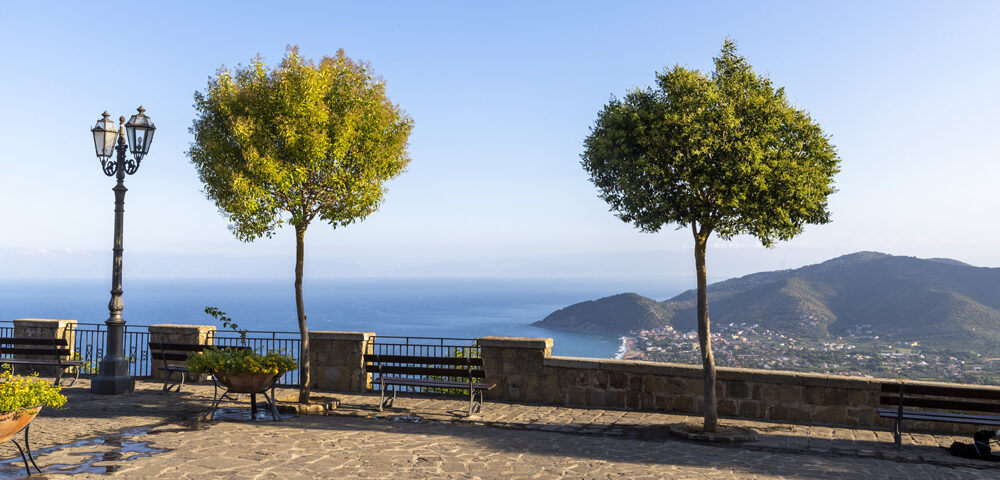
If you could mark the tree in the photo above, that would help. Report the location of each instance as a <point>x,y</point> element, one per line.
<point>723,153</point>
<point>294,144</point>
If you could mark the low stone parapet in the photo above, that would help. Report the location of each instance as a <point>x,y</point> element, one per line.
<point>47,328</point>
<point>525,371</point>
<point>337,360</point>
<point>170,333</point>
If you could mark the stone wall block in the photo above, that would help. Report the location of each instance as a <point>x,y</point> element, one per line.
<point>576,396</point>
<point>736,389</point>
<point>595,397</point>
<point>727,407</point>
<point>749,409</point>
<point>337,360</point>
<point>614,398</point>
<point>48,329</point>
<point>187,334</point>
<point>815,396</point>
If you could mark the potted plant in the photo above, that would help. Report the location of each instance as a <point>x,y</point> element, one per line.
<point>240,369</point>
<point>21,398</point>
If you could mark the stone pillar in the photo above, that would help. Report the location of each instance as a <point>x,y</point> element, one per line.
<point>190,334</point>
<point>43,328</point>
<point>337,360</point>
<point>515,364</point>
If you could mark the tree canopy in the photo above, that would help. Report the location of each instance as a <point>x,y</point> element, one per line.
<point>297,142</point>
<point>725,151</point>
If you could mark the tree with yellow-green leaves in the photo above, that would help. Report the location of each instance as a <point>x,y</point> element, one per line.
<point>297,143</point>
<point>723,153</point>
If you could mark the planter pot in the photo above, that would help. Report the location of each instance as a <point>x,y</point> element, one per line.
<point>246,382</point>
<point>13,422</point>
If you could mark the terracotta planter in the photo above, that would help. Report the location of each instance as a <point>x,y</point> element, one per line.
<point>245,382</point>
<point>13,422</point>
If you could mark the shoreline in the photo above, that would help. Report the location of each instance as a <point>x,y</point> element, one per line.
<point>628,350</point>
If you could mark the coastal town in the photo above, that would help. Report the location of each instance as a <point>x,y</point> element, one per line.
<point>861,353</point>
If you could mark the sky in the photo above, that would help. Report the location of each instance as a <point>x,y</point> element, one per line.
<point>502,95</point>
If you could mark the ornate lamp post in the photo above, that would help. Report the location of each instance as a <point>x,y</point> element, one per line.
<point>113,378</point>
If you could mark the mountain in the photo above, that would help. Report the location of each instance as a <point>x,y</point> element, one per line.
<point>935,301</point>
<point>630,311</point>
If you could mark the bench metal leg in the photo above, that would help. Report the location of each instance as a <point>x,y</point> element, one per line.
<point>381,396</point>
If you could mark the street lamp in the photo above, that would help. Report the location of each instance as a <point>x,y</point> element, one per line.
<point>113,377</point>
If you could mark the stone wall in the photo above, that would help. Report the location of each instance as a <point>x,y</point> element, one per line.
<point>43,328</point>
<point>168,333</point>
<point>525,371</point>
<point>337,360</point>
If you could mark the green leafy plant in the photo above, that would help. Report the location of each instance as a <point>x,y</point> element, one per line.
<point>228,323</point>
<point>88,366</point>
<point>234,360</point>
<point>458,352</point>
<point>18,392</point>
<point>240,360</point>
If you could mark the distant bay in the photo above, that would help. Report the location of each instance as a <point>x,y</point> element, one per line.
<point>439,307</point>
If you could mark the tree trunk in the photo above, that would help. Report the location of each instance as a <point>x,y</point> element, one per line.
<point>705,332</point>
<point>305,377</point>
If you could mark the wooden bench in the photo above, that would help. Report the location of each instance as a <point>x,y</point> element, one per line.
<point>174,357</point>
<point>392,368</point>
<point>54,349</point>
<point>929,398</point>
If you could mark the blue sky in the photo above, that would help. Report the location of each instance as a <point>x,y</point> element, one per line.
<point>502,95</point>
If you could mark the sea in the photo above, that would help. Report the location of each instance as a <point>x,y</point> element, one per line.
<point>404,307</point>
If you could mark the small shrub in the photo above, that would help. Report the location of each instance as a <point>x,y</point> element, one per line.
<point>18,392</point>
<point>234,360</point>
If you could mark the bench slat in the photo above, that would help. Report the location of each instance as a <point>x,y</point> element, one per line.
<point>943,404</point>
<point>168,356</point>
<point>420,382</point>
<point>58,342</point>
<point>942,391</point>
<point>18,361</point>
<point>189,347</point>
<point>52,352</point>
<point>430,371</point>
<point>424,360</point>
<point>940,417</point>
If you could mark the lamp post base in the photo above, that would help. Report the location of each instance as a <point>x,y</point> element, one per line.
<point>104,384</point>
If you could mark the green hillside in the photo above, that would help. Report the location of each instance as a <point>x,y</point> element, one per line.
<point>609,315</point>
<point>936,301</point>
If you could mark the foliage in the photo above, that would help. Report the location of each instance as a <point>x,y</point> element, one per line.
<point>723,153</point>
<point>301,141</point>
<point>296,142</point>
<point>228,323</point>
<point>457,352</point>
<point>726,151</point>
<point>89,366</point>
<point>18,392</point>
<point>240,360</point>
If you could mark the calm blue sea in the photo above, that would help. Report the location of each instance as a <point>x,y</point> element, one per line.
<point>459,308</point>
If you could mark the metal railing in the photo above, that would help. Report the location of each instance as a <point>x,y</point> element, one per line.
<point>90,340</point>
<point>423,347</point>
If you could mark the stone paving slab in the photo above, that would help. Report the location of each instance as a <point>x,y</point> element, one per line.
<point>148,434</point>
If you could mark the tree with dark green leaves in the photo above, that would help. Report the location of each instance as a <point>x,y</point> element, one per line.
<point>294,144</point>
<point>722,153</point>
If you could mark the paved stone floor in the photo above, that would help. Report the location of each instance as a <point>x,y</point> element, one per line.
<point>152,435</point>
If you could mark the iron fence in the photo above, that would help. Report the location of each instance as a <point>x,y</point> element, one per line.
<point>422,347</point>
<point>91,338</point>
